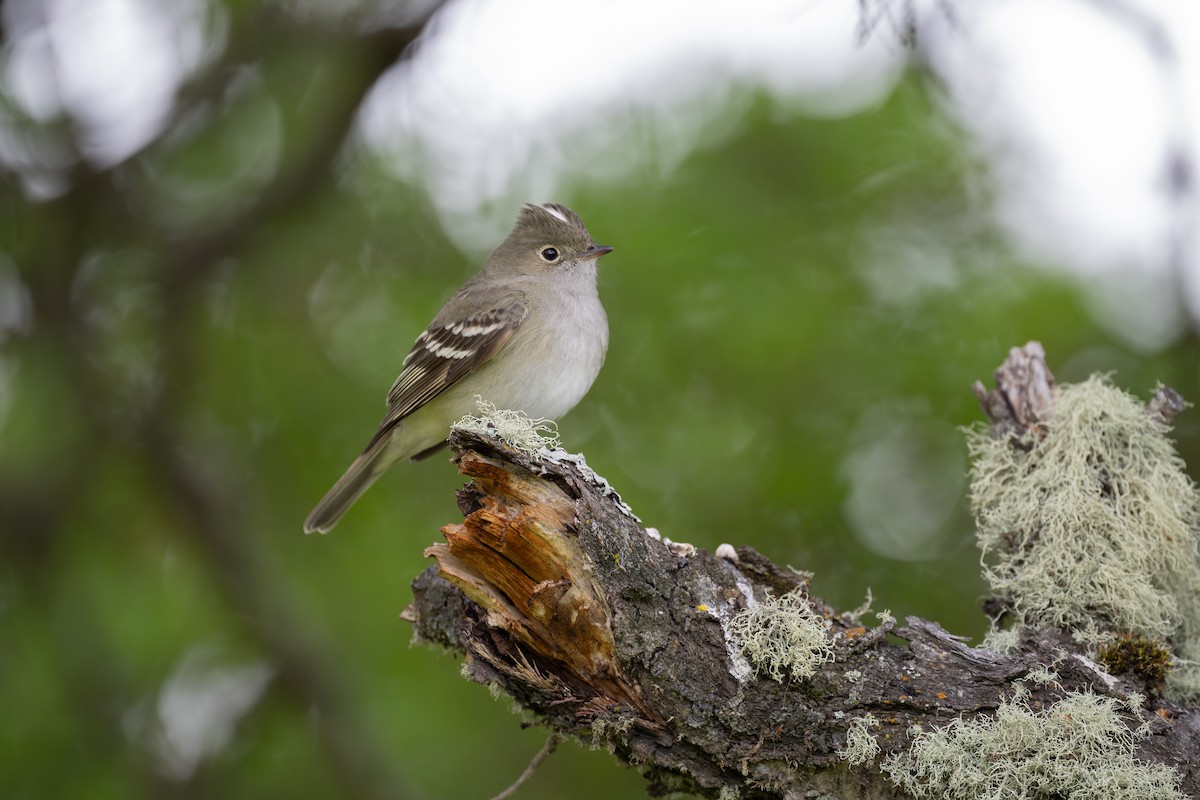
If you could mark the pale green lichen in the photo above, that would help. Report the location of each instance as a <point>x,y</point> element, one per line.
<point>515,427</point>
<point>1093,527</point>
<point>782,635</point>
<point>1042,676</point>
<point>1078,749</point>
<point>855,616</point>
<point>604,729</point>
<point>861,745</point>
<point>1002,640</point>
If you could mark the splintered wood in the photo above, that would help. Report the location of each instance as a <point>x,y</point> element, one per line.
<point>517,555</point>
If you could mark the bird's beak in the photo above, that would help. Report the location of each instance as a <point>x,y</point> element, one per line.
<point>595,251</point>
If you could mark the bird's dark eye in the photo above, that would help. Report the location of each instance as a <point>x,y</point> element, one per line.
<point>549,254</point>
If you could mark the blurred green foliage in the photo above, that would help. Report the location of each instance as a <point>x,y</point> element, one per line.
<point>213,324</point>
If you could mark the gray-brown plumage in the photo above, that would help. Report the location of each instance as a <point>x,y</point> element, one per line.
<point>527,333</point>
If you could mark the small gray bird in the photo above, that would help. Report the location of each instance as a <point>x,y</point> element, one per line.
<point>526,333</point>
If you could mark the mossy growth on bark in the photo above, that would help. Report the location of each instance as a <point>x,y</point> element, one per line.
<point>1080,747</point>
<point>1088,522</point>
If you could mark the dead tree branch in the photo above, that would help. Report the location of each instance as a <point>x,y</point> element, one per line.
<point>554,593</point>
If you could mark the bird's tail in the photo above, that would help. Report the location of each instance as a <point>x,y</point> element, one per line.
<point>365,470</point>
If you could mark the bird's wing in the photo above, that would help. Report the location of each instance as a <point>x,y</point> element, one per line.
<point>444,354</point>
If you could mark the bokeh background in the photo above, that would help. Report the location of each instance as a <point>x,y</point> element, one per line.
<point>223,222</point>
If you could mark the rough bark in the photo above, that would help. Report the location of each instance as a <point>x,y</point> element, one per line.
<point>553,592</point>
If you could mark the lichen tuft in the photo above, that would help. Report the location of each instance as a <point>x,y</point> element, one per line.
<point>782,635</point>
<point>1079,748</point>
<point>861,745</point>
<point>1094,526</point>
<point>530,436</point>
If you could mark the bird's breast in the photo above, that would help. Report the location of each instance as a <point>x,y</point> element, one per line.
<point>556,362</point>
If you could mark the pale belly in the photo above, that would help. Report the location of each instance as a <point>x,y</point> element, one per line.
<point>554,373</point>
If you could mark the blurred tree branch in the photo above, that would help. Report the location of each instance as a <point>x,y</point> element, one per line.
<point>97,212</point>
<point>374,53</point>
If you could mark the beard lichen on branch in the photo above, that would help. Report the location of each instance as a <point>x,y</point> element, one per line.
<point>1088,522</point>
<point>1079,747</point>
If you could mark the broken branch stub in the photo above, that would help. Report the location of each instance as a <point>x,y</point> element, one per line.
<point>515,556</point>
<point>1024,393</point>
<point>1025,390</point>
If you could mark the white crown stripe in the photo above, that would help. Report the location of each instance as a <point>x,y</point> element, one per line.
<point>555,212</point>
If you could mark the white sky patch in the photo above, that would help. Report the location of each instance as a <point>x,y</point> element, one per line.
<point>1069,105</point>
<point>1076,112</point>
<point>1073,105</point>
<point>514,99</point>
<point>114,65</point>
